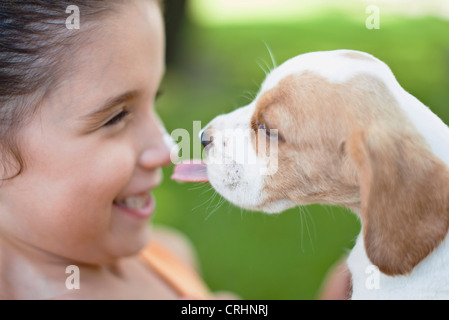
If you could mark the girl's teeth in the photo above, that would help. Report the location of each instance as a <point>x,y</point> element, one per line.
<point>134,202</point>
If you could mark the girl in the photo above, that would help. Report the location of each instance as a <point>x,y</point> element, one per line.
<point>81,150</point>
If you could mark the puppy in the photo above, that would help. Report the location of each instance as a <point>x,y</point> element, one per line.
<point>345,133</point>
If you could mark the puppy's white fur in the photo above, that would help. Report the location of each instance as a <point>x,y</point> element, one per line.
<point>241,182</point>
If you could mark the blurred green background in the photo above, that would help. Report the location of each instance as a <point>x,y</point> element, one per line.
<point>217,53</point>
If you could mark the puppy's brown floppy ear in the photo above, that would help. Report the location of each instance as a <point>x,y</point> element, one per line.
<point>404,192</point>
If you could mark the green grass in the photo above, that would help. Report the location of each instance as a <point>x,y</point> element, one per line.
<point>283,256</point>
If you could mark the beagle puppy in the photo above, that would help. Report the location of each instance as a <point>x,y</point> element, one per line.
<point>347,134</point>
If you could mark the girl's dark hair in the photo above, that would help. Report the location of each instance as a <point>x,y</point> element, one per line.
<point>34,39</point>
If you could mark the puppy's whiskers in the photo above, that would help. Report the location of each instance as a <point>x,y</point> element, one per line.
<point>273,61</point>
<point>304,215</point>
<point>329,210</point>
<point>266,68</point>
<point>220,203</point>
<point>208,188</point>
<point>209,203</point>
<point>248,95</point>
<point>198,186</point>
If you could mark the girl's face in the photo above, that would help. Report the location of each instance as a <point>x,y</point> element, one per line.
<point>94,151</point>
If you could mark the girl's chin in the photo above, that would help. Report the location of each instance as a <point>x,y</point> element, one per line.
<point>132,245</point>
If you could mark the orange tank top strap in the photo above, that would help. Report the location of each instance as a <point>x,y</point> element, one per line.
<point>182,277</point>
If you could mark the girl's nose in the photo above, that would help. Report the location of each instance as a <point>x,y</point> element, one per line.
<point>157,152</point>
<point>156,157</point>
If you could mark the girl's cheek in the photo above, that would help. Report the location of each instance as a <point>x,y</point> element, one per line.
<point>88,203</point>
<point>114,172</point>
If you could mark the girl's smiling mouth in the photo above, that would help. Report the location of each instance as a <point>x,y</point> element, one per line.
<point>140,206</point>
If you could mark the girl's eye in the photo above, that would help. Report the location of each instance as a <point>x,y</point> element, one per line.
<point>118,118</point>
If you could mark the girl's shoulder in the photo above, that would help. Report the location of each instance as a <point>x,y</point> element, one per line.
<point>178,243</point>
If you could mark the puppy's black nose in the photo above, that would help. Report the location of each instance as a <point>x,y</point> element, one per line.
<point>206,139</point>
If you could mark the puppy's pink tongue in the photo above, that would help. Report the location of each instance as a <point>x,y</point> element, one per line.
<point>190,171</point>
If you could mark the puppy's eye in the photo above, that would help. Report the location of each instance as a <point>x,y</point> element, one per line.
<point>268,132</point>
<point>263,127</point>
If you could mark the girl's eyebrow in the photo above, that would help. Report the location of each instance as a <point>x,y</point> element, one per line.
<point>110,104</point>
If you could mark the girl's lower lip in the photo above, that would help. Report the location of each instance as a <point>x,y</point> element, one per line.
<point>142,213</point>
